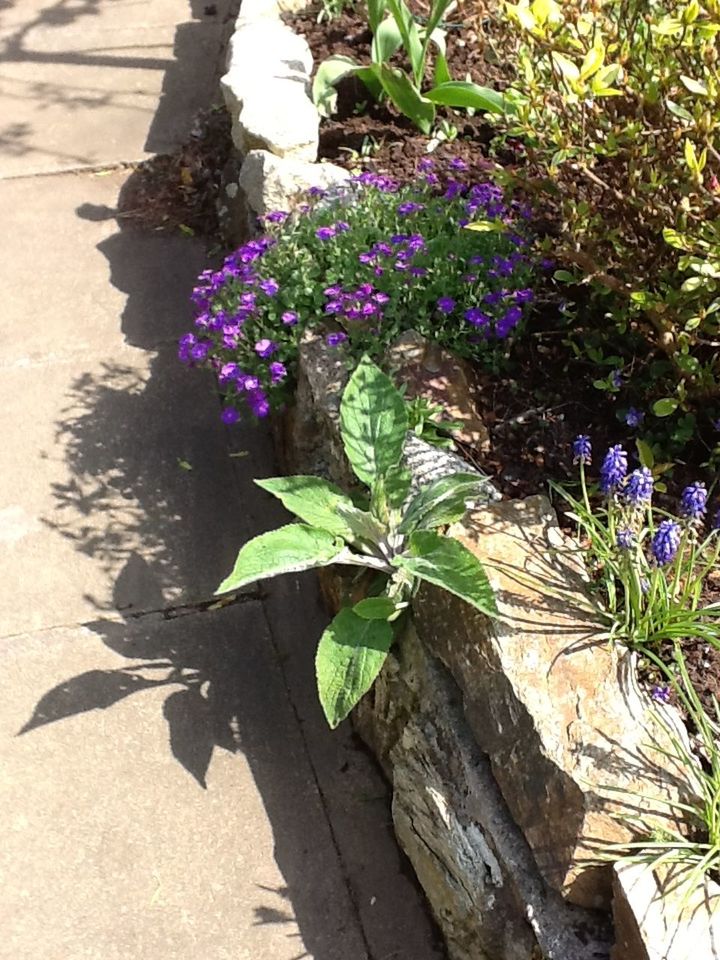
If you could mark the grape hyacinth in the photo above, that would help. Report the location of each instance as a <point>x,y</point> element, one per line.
<point>582,449</point>
<point>625,539</point>
<point>665,543</point>
<point>614,469</point>
<point>639,487</point>
<point>693,501</point>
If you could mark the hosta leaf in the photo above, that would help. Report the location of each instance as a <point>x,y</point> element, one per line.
<point>443,501</point>
<point>312,499</point>
<point>448,564</point>
<point>374,608</point>
<point>288,549</point>
<point>373,422</point>
<point>462,93</point>
<point>349,657</point>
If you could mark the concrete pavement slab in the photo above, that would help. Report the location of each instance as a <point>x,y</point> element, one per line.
<point>100,82</point>
<point>75,282</point>
<point>158,801</point>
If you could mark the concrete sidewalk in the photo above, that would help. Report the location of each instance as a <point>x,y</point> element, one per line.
<point>168,786</point>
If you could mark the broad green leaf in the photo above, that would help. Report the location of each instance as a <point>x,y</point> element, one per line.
<point>487,226</point>
<point>374,608</point>
<point>592,62</point>
<point>288,549</point>
<point>675,239</point>
<point>328,74</point>
<point>668,27</point>
<point>679,111</point>
<point>387,41</point>
<point>370,78</point>
<point>448,564</point>
<point>462,93</point>
<point>314,500</point>
<point>397,485</point>
<point>567,68</point>
<point>442,71</point>
<point>406,97</point>
<point>694,86</point>
<point>373,422</point>
<point>362,524</point>
<point>349,657</point>
<point>666,406</point>
<point>645,454</point>
<point>376,11</point>
<point>443,501</point>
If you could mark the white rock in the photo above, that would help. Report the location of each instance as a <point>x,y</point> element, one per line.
<point>657,918</point>
<point>257,9</point>
<point>261,49</point>
<point>272,183</point>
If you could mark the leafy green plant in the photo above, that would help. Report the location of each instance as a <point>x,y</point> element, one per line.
<point>648,567</point>
<point>394,28</point>
<point>698,849</point>
<point>616,107</point>
<point>396,538</point>
<point>425,420</point>
<point>331,9</point>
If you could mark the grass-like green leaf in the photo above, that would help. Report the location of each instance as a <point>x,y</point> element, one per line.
<point>349,657</point>
<point>406,97</point>
<point>373,421</point>
<point>447,563</point>
<point>288,549</point>
<point>314,500</point>
<point>462,93</point>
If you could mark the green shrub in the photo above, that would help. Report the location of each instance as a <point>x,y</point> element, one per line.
<point>617,106</point>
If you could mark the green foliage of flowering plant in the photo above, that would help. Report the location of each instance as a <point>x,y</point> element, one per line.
<point>395,28</point>
<point>648,566</point>
<point>373,260</point>
<point>396,538</point>
<point>618,106</point>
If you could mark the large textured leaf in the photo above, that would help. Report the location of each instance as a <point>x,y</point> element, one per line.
<point>285,550</point>
<point>314,500</point>
<point>373,422</point>
<point>462,93</point>
<point>443,501</point>
<point>349,657</point>
<point>329,73</point>
<point>386,42</point>
<point>448,564</point>
<point>407,98</point>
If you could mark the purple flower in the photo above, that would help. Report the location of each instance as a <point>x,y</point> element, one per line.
<point>335,339</point>
<point>342,227</point>
<point>661,693</point>
<point>582,449</point>
<point>248,382</point>
<point>666,541</point>
<point>289,318</point>
<point>325,233</point>
<point>457,164</point>
<point>404,209</point>
<point>446,304</point>
<point>426,164</point>
<point>639,487</point>
<point>524,296</point>
<point>716,425</point>
<point>265,348</point>
<point>278,372</point>
<point>476,317</point>
<point>200,350</point>
<point>693,501</point>
<point>269,287</point>
<point>508,321</point>
<point>453,190</point>
<point>634,417</point>
<point>258,403</point>
<point>276,216</point>
<point>625,539</point>
<point>616,378</point>
<point>614,469</point>
<point>229,415</point>
<point>228,372</point>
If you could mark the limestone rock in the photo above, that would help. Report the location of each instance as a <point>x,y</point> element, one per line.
<point>267,90</point>
<point>658,918</point>
<point>441,378</point>
<point>544,699</point>
<point>270,183</point>
<point>469,855</point>
<point>257,9</point>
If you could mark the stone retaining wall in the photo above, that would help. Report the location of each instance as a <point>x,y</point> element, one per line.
<point>502,740</point>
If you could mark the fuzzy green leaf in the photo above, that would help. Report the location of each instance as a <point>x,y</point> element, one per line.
<point>314,500</point>
<point>374,608</point>
<point>288,549</point>
<point>373,422</point>
<point>349,657</point>
<point>442,501</point>
<point>447,563</point>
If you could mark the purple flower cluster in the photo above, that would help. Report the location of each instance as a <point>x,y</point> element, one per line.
<point>639,487</point>
<point>377,181</point>
<point>332,230</point>
<point>665,543</point>
<point>614,469</point>
<point>397,255</point>
<point>365,303</point>
<point>693,501</point>
<point>582,449</point>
